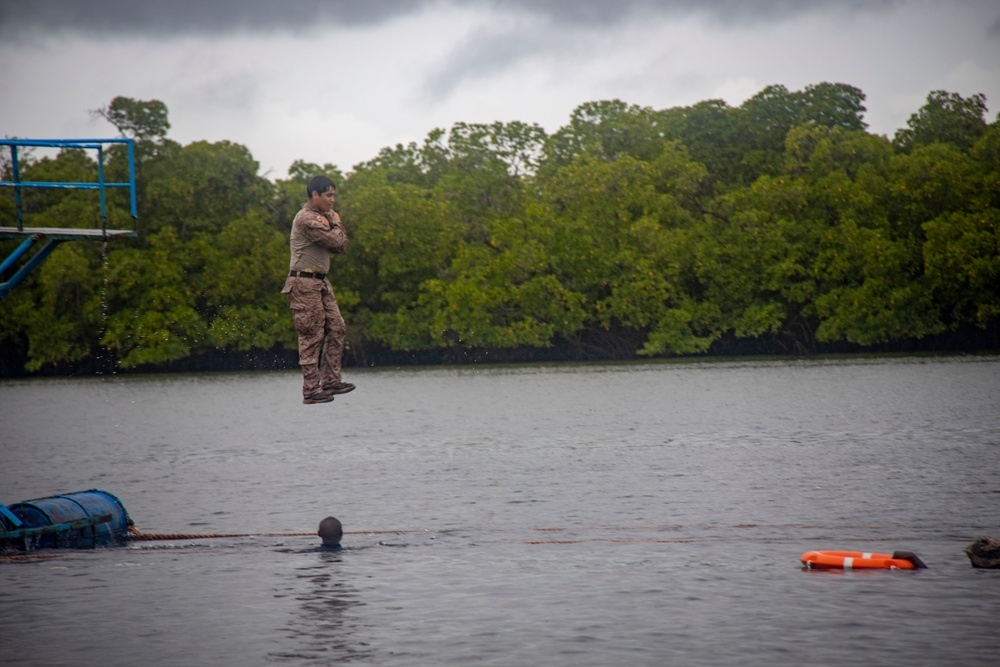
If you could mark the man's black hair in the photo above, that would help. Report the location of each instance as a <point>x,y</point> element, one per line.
<point>319,185</point>
<point>331,531</point>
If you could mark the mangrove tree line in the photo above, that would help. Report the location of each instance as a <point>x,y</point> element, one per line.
<point>780,225</point>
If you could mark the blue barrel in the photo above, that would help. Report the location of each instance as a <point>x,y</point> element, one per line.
<point>70,521</point>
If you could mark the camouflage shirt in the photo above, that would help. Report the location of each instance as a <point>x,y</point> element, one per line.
<point>314,236</point>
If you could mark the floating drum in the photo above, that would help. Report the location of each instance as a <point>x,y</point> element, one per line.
<point>77,520</point>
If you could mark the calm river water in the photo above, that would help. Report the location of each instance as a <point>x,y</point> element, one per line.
<point>621,514</point>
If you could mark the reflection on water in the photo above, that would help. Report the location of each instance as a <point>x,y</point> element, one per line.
<point>640,514</point>
<point>322,629</point>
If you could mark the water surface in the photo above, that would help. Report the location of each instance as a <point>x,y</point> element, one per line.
<point>640,514</point>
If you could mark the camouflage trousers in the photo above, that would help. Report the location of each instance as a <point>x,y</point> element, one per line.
<point>322,332</point>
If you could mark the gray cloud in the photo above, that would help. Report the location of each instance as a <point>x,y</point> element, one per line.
<point>595,12</point>
<point>165,18</point>
<point>563,26</point>
<point>231,69</point>
<point>485,54</point>
<point>151,18</point>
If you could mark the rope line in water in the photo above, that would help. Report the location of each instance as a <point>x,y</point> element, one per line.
<point>880,538</point>
<point>706,539</point>
<point>137,535</point>
<point>21,558</point>
<point>140,536</point>
<point>744,526</point>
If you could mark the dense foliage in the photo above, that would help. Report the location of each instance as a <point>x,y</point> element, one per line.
<point>781,224</point>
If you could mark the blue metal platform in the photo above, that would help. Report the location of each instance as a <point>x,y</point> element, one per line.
<point>51,237</point>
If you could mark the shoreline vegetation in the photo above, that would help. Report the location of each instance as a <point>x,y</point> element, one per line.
<point>778,227</point>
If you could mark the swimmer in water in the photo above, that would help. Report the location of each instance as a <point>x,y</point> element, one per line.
<point>331,531</point>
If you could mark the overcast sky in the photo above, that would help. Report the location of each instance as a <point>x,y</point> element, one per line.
<point>337,80</point>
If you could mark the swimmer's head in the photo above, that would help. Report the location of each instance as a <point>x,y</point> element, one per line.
<point>330,531</point>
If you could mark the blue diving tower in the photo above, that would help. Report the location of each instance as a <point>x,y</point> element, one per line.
<point>48,239</point>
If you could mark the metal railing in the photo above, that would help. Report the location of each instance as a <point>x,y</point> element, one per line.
<point>53,236</point>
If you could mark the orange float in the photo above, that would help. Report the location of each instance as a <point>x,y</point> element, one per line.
<point>861,560</point>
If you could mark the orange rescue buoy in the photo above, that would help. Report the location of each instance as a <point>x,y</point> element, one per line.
<point>857,560</point>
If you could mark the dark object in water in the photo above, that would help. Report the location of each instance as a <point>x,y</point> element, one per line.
<point>984,552</point>
<point>912,557</point>
<point>77,520</point>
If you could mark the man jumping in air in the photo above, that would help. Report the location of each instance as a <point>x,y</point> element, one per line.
<point>316,232</point>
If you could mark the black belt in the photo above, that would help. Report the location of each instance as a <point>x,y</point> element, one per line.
<point>306,274</point>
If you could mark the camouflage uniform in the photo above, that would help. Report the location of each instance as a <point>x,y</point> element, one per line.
<point>314,307</point>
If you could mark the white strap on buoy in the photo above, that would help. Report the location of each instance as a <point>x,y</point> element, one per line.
<point>866,555</point>
<point>848,563</point>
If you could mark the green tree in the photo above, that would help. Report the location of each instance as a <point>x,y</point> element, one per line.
<point>754,259</point>
<point>65,315</point>
<point>606,131</point>
<point>427,224</point>
<point>711,132</point>
<point>401,235</point>
<point>867,266</point>
<point>152,302</point>
<point>832,105</point>
<point>765,120</point>
<point>146,122</point>
<point>928,182</point>
<point>945,118</point>
<point>962,256</point>
<point>138,119</point>
<point>962,247</point>
<point>202,187</point>
<point>239,294</point>
<point>619,241</point>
